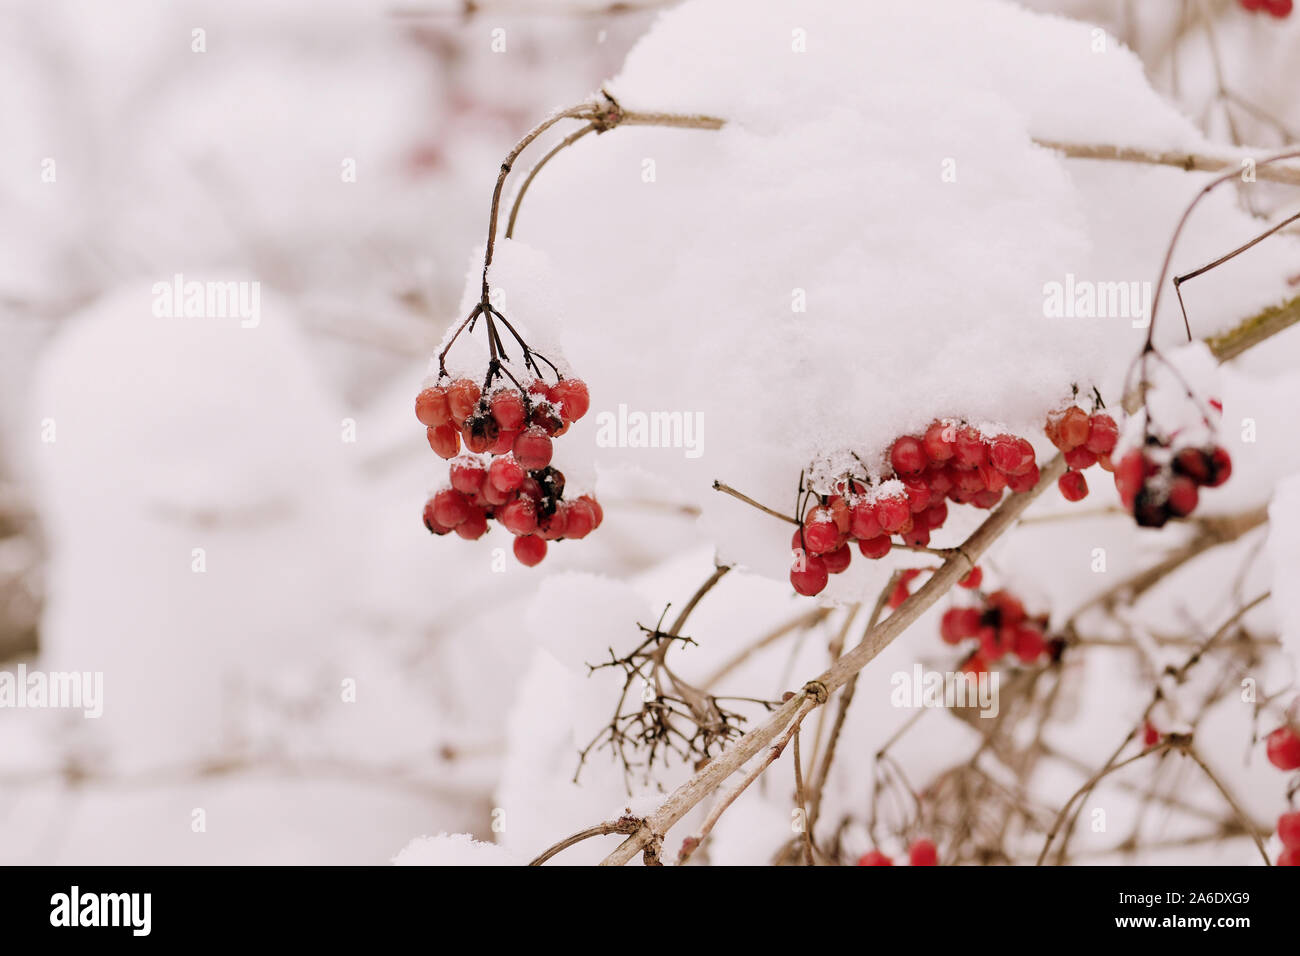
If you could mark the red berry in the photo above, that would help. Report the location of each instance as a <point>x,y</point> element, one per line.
<point>1283,746</point>
<point>431,407</point>
<point>1183,496</point>
<point>1290,856</point>
<point>935,515</point>
<point>938,441</point>
<point>973,579</point>
<point>862,521</point>
<point>918,494</point>
<point>874,858</point>
<point>986,499</point>
<point>450,507</point>
<point>1074,487</point>
<point>970,450</point>
<point>1072,428</point>
<point>808,574</point>
<point>533,448</point>
<point>1028,644</point>
<point>908,456</point>
<point>1008,606</point>
<point>1080,458</point>
<point>892,511</point>
<point>1288,829</point>
<point>1025,482</point>
<point>530,550</point>
<point>899,595</point>
<point>839,511</point>
<point>1220,467</point>
<point>519,517</point>
<point>1103,434</point>
<point>554,527</point>
<point>820,533</point>
<point>505,474</point>
<point>1129,476</point>
<point>975,665</point>
<point>1150,735</point>
<point>431,522</point>
<point>923,853</point>
<point>875,548</point>
<point>475,524</point>
<point>837,560</point>
<point>952,626</point>
<point>480,435</point>
<point>1011,455</point>
<point>995,643</point>
<point>917,536</point>
<point>507,407</point>
<point>596,509</point>
<point>572,397</point>
<point>462,396</point>
<point>1279,8</point>
<point>444,440</point>
<point>468,475</point>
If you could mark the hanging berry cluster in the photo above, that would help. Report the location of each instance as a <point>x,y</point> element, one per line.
<point>1158,482</point>
<point>1000,626</point>
<point>923,852</point>
<point>950,462</point>
<point>1085,440</point>
<point>507,427</point>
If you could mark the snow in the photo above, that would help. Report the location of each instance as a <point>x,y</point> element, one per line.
<point>453,849</point>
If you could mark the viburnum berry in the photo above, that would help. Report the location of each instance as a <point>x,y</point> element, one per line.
<point>808,574</point>
<point>908,456</point>
<point>874,858</point>
<point>892,513</point>
<point>529,550</point>
<point>519,517</point>
<point>1183,496</point>
<point>475,524</point>
<point>1025,482</point>
<point>507,407</point>
<point>444,440</point>
<point>1069,429</point>
<point>1150,735</point>
<point>1288,829</point>
<point>1011,455</point>
<point>431,522</point>
<point>1290,856</point>
<point>938,441</point>
<point>975,666</point>
<point>923,852</point>
<point>837,560</point>
<point>1103,434</point>
<point>596,509</point>
<point>1074,487</point>
<point>1283,748</point>
<point>572,397</point>
<point>995,642</point>
<point>969,448</point>
<point>468,475</point>
<point>552,527</point>
<point>431,407</point>
<point>862,521</point>
<point>1028,644</point>
<point>1080,458</point>
<point>462,397</point>
<point>875,548</point>
<point>505,474</point>
<point>972,579</point>
<point>959,623</point>
<point>450,507</point>
<point>533,448</point>
<point>1010,609</point>
<point>820,533</point>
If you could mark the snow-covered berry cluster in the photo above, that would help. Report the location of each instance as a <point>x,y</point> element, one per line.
<point>1085,440</point>
<point>506,472</point>
<point>1158,482</point>
<point>951,462</point>
<point>1277,8</point>
<point>1000,625</point>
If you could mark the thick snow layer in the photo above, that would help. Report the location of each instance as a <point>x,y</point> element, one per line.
<point>453,849</point>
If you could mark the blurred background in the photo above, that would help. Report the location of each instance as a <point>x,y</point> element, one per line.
<point>172,501</point>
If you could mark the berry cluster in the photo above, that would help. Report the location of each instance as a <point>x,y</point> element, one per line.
<point>506,472</point>
<point>950,462</point>
<point>1085,440</point>
<point>999,624</point>
<point>1157,482</point>
<point>1278,8</point>
<point>1288,831</point>
<point>921,853</point>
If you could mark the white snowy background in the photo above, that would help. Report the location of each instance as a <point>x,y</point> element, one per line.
<point>289,454</point>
